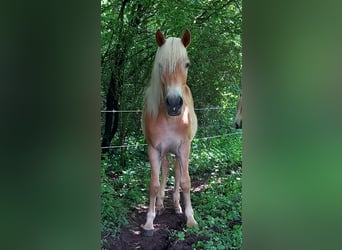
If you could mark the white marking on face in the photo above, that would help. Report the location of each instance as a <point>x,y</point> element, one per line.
<point>174,91</point>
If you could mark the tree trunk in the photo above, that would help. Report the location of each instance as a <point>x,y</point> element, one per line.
<point>117,77</point>
<point>111,118</point>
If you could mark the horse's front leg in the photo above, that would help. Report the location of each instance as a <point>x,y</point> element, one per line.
<point>154,157</point>
<point>185,182</point>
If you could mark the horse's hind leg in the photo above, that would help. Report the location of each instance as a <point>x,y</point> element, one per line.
<point>161,193</point>
<point>176,196</point>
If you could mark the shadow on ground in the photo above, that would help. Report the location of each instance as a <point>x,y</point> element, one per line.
<point>163,237</point>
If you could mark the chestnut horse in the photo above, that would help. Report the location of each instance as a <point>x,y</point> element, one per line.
<point>238,117</point>
<point>169,124</point>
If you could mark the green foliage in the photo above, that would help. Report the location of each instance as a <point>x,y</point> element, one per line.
<point>127,53</point>
<point>217,206</point>
<point>180,235</point>
<point>128,49</point>
<point>215,156</point>
<point>218,211</point>
<point>121,190</point>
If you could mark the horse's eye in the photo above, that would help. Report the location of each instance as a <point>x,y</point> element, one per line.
<point>187,65</point>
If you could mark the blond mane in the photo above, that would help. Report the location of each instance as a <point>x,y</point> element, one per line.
<point>167,57</point>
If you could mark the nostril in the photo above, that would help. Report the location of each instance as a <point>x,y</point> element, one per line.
<point>180,101</point>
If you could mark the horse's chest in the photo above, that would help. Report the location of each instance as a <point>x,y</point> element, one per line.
<point>171,143</point>
<point>171,137</point>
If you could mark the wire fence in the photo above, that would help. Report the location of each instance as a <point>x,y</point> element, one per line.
<point>139,110</point>
<point>137,144</point>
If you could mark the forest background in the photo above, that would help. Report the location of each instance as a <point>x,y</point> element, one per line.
<point>127,54</point>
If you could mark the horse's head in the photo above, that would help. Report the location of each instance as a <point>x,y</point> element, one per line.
<point>238,117</point>
<point>173,68</point>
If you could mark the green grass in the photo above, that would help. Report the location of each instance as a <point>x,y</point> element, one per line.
<point>218,213</point>
<point>218,206</point>
<point>121,190</point>
<point>125,178</point>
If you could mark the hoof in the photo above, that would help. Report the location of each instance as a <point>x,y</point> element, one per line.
<point>148,233</point>
<point>192,224</point>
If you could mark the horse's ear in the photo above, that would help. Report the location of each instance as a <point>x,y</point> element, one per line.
<point>160,38</point>
<point>186,38</point>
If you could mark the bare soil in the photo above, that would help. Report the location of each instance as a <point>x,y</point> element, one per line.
<point>165,226</point>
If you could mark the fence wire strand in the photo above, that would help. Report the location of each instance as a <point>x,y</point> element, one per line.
<point>136,145</point>
<point>139,110</point>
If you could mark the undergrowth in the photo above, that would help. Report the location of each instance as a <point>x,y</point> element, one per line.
<point>217,207</point>
<point>124,182</point>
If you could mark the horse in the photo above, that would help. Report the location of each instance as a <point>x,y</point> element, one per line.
<point>169,124</point>
<point>238,117</point>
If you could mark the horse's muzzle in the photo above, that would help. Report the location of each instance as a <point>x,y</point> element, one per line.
<point>174,105</point>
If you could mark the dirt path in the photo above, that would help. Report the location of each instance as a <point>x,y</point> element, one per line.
<point>165,224</point>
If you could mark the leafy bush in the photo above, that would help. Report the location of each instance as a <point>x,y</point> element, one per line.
<point>218,207</point>
<point>121,190</point>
